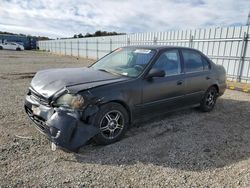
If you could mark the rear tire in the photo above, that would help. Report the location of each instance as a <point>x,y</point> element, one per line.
<point>112,120</point>
<point>1,47</point>
<point>209,100</point>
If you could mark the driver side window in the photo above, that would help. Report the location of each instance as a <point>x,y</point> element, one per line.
<point>169,61</point>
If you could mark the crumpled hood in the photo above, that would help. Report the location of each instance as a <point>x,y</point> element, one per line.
<point>48,82</point>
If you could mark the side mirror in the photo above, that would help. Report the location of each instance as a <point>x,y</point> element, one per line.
<point>155,73</point>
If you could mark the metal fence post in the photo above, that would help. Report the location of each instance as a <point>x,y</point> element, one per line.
<point>60,48</point>
<point>71,48</point>
<point>87,49</point>
<point>155,41</point>
<point>55,47</point>
<point>97,49</point>
<point>191,38</point>
<point>78,48</point>
<point>242,56</point>
<point>128,41</point>
<point>110,45</point>
<point>65,52</point>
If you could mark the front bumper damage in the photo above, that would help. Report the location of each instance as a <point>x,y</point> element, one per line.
<point>64,127</point>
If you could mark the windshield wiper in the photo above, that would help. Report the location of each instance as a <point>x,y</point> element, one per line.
<point>115,73</point>
<point>103,70</point>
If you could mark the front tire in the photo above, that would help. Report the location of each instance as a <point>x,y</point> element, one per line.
<point>1,47</point>
<point>209,100</point>
<point>112,120</point>
<point>18,49</point>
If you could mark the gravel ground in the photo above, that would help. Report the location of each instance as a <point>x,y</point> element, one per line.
<point>180,149</point>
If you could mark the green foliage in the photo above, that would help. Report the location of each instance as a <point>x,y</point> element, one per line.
<point>23,35</point>
<point>98,33</point>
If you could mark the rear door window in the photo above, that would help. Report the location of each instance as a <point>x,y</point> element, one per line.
<point>206,64</point>
<point>193,61</point>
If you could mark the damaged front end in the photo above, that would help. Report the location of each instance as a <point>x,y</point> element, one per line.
<point>64,126</point>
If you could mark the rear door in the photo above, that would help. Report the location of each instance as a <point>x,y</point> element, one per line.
<point>13,46</point>
<point>165,93</point>
<point>197,75</point>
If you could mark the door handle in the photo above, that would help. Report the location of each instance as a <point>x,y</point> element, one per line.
<point>208,78</point>
<point>179,82</point>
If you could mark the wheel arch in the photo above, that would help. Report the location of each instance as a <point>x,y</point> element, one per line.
<point>216,87</point>
<point>123,105</point>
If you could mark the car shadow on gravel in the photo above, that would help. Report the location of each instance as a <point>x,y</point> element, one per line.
<point>188,140</point>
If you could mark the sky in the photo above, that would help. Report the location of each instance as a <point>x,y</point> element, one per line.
<point>64,18</point>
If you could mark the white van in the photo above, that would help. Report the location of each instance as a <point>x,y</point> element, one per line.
<point>11,46</point>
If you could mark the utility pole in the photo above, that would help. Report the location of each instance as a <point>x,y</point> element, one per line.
<point>248,19</point>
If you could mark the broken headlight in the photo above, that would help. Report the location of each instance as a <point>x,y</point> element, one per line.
<point>70,101</point>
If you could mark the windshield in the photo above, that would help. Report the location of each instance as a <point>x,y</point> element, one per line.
<point>125,61</point>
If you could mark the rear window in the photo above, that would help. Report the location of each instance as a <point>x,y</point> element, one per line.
<point>193,61</point>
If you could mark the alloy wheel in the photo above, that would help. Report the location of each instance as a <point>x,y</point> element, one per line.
<point>211,98</point>
<point>112,124</point>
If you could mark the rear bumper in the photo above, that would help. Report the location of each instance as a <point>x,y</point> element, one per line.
<point>61,126</point>
<point>222,88</point>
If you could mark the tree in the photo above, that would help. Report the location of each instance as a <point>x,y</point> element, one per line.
<point>97,34</point>
<point>80,35</point>
<point>88,35</point>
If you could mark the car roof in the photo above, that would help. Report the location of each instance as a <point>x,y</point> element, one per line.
<point>158,47</point>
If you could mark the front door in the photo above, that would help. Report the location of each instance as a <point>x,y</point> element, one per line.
<point>164,93</point>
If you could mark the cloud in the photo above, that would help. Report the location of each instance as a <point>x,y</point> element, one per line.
<point>63,18</point>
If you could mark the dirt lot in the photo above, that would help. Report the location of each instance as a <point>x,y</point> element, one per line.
<point>181,149</point>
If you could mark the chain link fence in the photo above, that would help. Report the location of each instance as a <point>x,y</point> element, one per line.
<point>228,46</point>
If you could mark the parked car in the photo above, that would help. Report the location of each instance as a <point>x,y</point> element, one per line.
<point>74,105</point>
<point>11,46</point>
